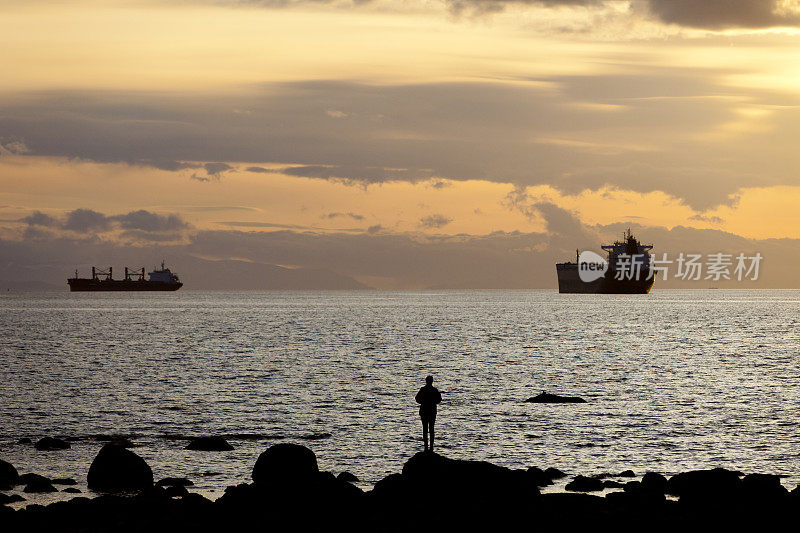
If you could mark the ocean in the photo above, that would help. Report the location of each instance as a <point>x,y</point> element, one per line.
<point>674,380</point>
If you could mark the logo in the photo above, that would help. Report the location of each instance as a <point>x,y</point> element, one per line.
<point>591,266</point>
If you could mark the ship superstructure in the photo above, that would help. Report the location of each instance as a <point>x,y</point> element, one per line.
<point>162,279</point>
<point>629,270</point>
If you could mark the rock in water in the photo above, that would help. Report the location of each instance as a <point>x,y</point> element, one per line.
<point>116,468</point>
<point>51,443</point>
<point>654,482</point>
<point>545,397</point>
<point>704,486</point>
<point>584,484</point>
<point>285,463</point>
<point>209,444</point>
<point>8,474</point>
<point>174,482</point>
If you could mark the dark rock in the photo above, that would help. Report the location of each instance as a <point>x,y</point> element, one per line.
<point>24,440</point>
<point>584,484</point>
<point>654,482</point>
<point>611,484</point>
<point>174,482</point>
<point>8,474</point>
<point>633,486</point>
<point>64,481</point>
<point>626,473</point>
<point>763,487</point>
<point>704,486</point>
<point>285,463</point>
<point>554,473</point>
<point>175,491</point>
<point>116,468</point>
<point>394,487</point>
<point>51,443</point>
<point>72,490</point>
<point>316,436</point>
<point>347,476</point>
<point>26,479</point>
<point>209,444</point>
<point>539,477</point>
<point>39,484</point>
<point>545,397</point>
<point>6,499</point>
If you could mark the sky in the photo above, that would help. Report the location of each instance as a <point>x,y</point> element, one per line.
<point>395,144</point>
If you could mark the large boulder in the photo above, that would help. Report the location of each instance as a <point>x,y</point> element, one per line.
<point>285,463</point>
<point>116,468</point>
<point>209,444</point>
<point>51,443</point>
<point>8,474</point>
<point>585,484</point>
<point>763,487</point>
<point>715,486</point>
<point>654,482</point>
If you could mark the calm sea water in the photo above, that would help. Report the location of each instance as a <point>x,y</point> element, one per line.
<point>674,380</point>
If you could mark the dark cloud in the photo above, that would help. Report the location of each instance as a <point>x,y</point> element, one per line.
<point>150,222</point>
<point>37,218</point>
<point>260,170</point>
<point>375,229</point>
<point>705,14</point>
<point>86,221</point>
<point>653,131</point>
<point>708,218</point>
<point>435,221</point>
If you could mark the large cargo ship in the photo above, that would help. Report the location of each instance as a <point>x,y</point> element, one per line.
<point>628,270</point>
<point>102,280</point>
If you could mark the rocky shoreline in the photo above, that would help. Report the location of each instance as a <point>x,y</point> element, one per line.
<point>288,491</point>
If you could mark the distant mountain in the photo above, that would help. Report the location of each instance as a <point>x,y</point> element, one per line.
<point>6,285</point>
<point>205,274</point>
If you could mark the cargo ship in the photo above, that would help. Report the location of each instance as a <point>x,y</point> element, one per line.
<point>102,280</point>
<point>628,270</point>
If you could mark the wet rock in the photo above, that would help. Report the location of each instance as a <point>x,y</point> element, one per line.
<point>584,484</point>
<point>63,481</point>
<point>704,486</point>
<point>72,490</point>
<point>174,482</point>
<point>545,397</point>
<point>626,473</point>
<point>611,484</point>
<point>554,473</point>
<point>209,444</point>
<point>13,498</point>
<point>316,436</point>
<point>39,484</point>
<point>24,440</point>
<point>285,463</point>
<point>8,474</point>
<point>539,477</point>
<point>347,476</point>
<point>26,479</point>
<point>116,468</point>
<point>654,482</point>
<point>51,443</point>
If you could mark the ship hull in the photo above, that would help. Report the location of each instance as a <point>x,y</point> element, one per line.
<point>569,282</point>
<point>96,285</point>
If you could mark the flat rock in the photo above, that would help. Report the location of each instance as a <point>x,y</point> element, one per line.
<point>116,468</point>
<point>10,498</point>
<point>63,481</point>
<point>554,473</point>
<point>39,485</point>
<point>51,443</point>
<point>209,444</point>
<point>545,397</point>
<point>26,479</point>
<point>584,484</point>
<point>24,440</point>
<point>72,490</point>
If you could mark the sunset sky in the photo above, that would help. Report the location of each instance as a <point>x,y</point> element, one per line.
<point>313,134</point>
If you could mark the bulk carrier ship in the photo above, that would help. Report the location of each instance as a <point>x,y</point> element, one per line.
<point>102,280</point>
<point>628,254</point>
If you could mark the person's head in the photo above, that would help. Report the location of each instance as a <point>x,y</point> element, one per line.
<point>429,380</point>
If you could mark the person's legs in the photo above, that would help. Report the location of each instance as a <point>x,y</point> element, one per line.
<point>425,432</point>
<point>432,422</point>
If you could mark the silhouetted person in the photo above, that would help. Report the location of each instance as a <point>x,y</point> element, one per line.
<point>427,398</point>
